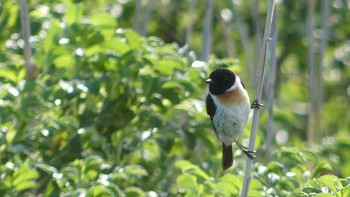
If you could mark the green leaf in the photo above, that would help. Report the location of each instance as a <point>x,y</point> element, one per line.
<point>330,181</point>
<point>187,182</point>
<point>74,12</point>
<point>321,168</point>
<point>166,67</point>
<point>91,167</point>
<point>136,170</point>
<point>188,168</point>
<point>8,75</point>
<point>324,195</point>
<point>25,178</point>
<point>64,61</point>
<point>229,185</point>
<point>101,191</point>
<point>310,191</point>
<point>134,192</point>
<point>104,20</point>
<point>133,39</point>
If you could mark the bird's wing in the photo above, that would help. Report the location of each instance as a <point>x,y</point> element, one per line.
<point>211,109</point>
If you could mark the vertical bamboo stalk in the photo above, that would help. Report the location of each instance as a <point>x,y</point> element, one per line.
<point>311,63</point>
<point>271,87</point>
<point>257,32</point>
<point>242,29</point>
<point>147,17</point>
<point>137,19</point>
<point>324,43</point>
<point>259,86</point>
<point>189,28</point>
<point>31,70</point>
<point>206,35</point>
<point>227,34</point>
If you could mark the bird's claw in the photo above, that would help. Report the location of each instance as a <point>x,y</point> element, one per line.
<point>250,153</point>
<point>256,105</point>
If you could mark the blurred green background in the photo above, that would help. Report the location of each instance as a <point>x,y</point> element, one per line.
<point>115,104</point>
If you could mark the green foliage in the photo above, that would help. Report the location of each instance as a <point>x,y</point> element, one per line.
<point>113,113</point>
<point>327,185</point>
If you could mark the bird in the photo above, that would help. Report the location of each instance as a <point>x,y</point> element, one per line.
<point>228,107</point>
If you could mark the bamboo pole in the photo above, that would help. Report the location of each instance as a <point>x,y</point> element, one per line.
<point>311,64</point>
<point>258,91</point>
<point>137,19</point>
<point>225,21</point>
<point>271,87</point>
<point>206,35</point>
<point>31,70</point>
<point>189,28</point>
<point>324,44</point>
<point>244,35</point>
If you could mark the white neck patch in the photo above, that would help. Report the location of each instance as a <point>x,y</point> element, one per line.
<point>235,85</point>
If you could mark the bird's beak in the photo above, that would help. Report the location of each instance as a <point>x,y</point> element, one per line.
<point>210,81</point>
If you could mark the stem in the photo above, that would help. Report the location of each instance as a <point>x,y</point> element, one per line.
<point>260,81</point>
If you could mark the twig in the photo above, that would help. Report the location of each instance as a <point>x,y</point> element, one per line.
<point>260,80</point>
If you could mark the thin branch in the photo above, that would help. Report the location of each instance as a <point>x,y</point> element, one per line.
<point>260,81</point>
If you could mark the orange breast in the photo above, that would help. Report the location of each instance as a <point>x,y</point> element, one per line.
<point>234,97</point>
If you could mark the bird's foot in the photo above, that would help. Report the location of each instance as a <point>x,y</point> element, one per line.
<point>256,105</point>
<point>250,153</point>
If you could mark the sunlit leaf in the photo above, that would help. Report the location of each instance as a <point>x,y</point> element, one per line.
<point>187,182</point>
<point>25,178</point>
<point>135,170</point>
<point>134,192</point>
<point>133,39</point>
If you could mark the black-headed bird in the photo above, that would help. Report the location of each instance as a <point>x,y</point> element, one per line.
<point>228,107</point>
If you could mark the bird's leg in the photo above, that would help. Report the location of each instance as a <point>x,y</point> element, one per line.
<point>256,105</point>
<point>249,153</point>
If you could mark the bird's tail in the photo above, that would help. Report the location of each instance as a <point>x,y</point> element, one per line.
<point>227,157</point>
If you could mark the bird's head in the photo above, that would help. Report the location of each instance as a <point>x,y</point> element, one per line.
<point>220,80</point>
